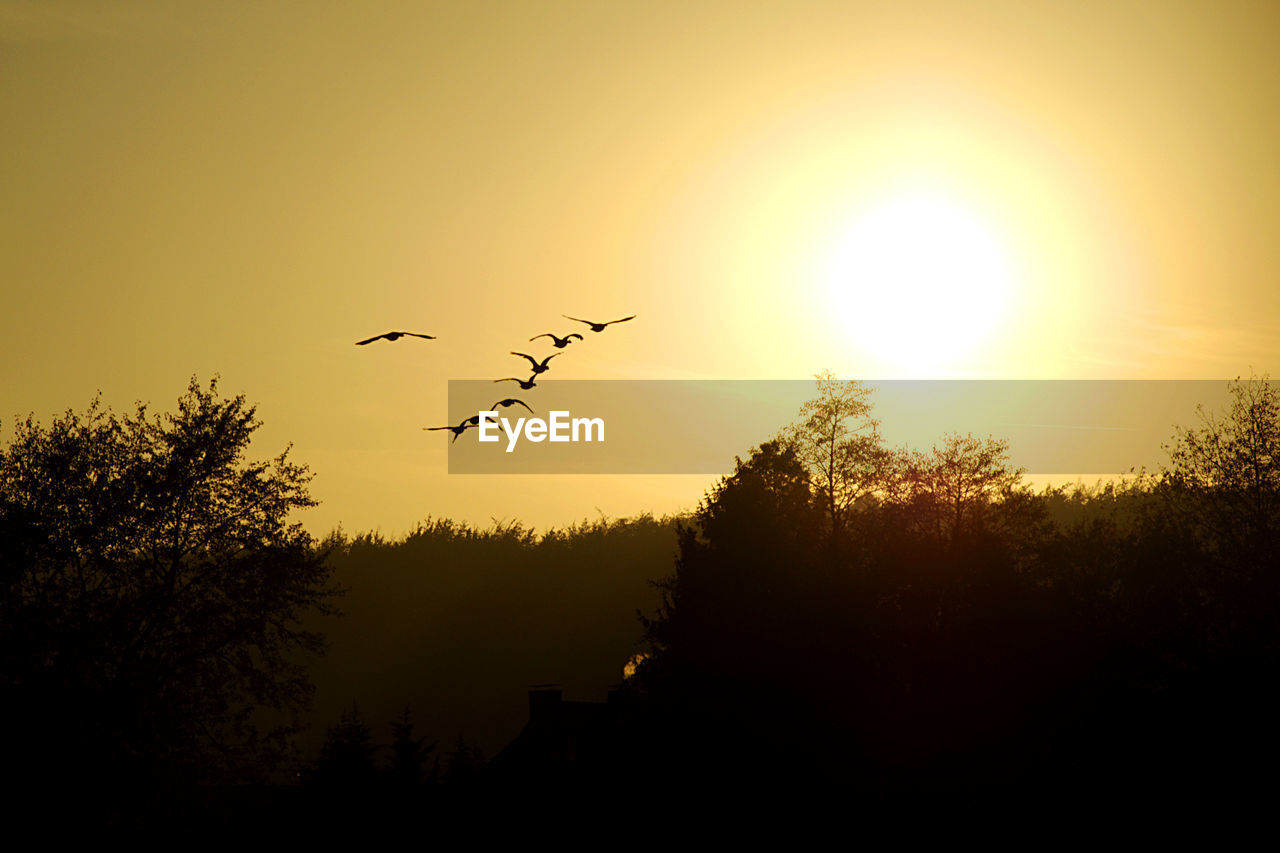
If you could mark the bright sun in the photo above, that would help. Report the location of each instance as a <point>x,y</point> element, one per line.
<point>918,281</point>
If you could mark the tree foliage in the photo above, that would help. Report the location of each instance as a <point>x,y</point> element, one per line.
<point>839,444</point>
<point>738,566</point>
<point>347,757</point>
<point>949,491</point>
<point>410,754</point>
<point>153,584</point>
<point>1223,476</point>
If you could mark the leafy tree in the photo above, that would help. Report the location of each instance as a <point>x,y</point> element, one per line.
<point>746,545</point>
<point>839,444</point>
<point>734,625</point>
<point>152,586</point>
<point>949,491</point>
<point>1219,520</point>
<point>1223,477</point>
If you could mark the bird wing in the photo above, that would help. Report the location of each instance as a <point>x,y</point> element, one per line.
<point>544,335</point>
<point>370,340</point>
<point>548,358</point>
<point>577,319</point>
<point>416,335</point>
<point>532,360</point>
<point>623,320</point>
<point>573,335</point>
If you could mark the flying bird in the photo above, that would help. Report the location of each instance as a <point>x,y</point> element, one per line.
<point>458,430</point>
<point>510,401</point>
<point>525,384</point>
<point>598,327</point>
<point>394,336</point>
<point>558,343</point>
<point>538,367</point>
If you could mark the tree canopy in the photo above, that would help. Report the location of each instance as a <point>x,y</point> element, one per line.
<point>1223,476</point>
<point>948,491</point>
<point>839,444</point>
<point>152,587</point>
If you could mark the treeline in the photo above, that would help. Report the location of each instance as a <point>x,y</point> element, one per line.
<point>458,622</point>
<point>889,620</point>
<point>835,612</point>
<point>844,613</point>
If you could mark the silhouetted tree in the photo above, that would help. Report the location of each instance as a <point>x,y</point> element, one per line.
<point>949,491</point>
<point>747,545</point>
<point>523,603</point>
<point>347,758</point>
<point>464,765</point>
<point>409,754</point>
<point>1223,477</point>
<point>729,643</point>
<point>839,444</point>
<point>153,587</point>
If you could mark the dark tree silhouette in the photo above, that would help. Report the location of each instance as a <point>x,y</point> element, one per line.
<point>1223,477</point>
<point>153,587</point>
<point>728,644</point>
<point>839,444</point>
<point>950,491</point>
<point>465,765</point>
<point>347,756</point>
<point>409,754</point>
<point>748,536</point>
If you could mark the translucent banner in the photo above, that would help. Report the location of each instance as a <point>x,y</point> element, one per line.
<point>698,427</point>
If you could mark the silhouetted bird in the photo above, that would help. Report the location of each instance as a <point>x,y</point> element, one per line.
<point>525,384</point>
<point>538,367</point>
<point>458,430</point>
<point>558,343</point>
<point>599,327</point>
<point>510,401</point>
<point>394,336</point>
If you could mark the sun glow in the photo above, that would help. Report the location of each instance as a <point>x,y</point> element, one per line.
<point>918,282</point>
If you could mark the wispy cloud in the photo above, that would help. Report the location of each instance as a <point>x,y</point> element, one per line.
<point>1072,426</point>
<point>1152,343</point>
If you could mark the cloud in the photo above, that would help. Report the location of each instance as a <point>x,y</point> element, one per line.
<point>1148,343</point>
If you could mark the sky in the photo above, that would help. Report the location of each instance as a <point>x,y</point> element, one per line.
<point>246,189</point>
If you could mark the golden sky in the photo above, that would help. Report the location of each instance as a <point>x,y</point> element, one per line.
<point>247,188</point>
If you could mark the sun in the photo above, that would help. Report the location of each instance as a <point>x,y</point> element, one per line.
<point>918,281</point>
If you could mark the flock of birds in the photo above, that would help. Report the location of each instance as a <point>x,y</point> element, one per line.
<point>538,367</point>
